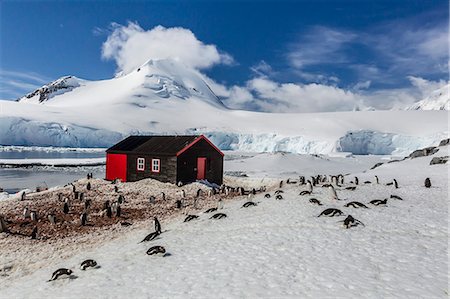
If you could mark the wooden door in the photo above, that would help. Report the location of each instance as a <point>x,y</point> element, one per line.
<point>201,168</point>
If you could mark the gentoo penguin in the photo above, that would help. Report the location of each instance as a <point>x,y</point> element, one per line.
<point>267,195</point>
<point>220,204</point>
<point>157,225</point>
<point>190,217</point>
<point>33,215</point>
<point>81,196</point>
<point>356,205</point>
<point>210,210</point>
<point>199,193</point>
<point>395,183</point>
<point>52,218</point>
<point>315,201</point>
<point>331,212</point>
<point>26,213</point>
<point>118,211</point>
<point>87,204</point>
<point>83,219</point>
<point>279,191</point>
<point>66,208</point>
<point>218,216</point>
<point>427,183</point>
<point>377,202</point>
<point>106,204</point>
<point>121,199</point>
<point>108,212</point>
<point>367,182</point>
<point>88,264</point>
<point>279,197</point>
<point>152,199</point>
<point>156,250</point>
<point>351,188</point>
<point>356,180</point>
<point>309,187</point>
<point>22,196</point>
<point>73,188</point>
<point>249,204</point>
<point>34,233</point>
<point>60,272</point>
<point>349,221</point>
<point>281,184</point>
<point>150,237</point>
<point>116,189</point>
<point>377,180</point>
<point>396,197</point>
<point>305,192</point>
<point>333,193</point>
<point>179,204</point>
<point>88,186</point>
<point>163,196</point>
<point>126,223</point>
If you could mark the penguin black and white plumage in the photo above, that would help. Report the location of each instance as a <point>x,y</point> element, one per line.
<point>73,188</point>
<point>377,180</point>
<point>118,211</point>
<point>367,182</point>
<point>356,205</point>
<point>281,184</point>
<point>331,212</point>
<point>88,186</point>
<point>333,193</point>
<point>249,204</point>
<point>83,219</point>
<point>150,237</point>
<point>33,216</point>
<point>305,192</point>
<point>377,202</point>
<point>52,218</point>
<point>81,196</point>
<point>116,189</point>
<point>66,208</point>
<point>23,196</point>
<point>88,264</point>
<point>309,187</point>
<point>60,272</point>
<point>279,191</point>
<point>179,204</point>
<point>190,217</point>
<point>356,180</point>
<point>394,181</point>
<point>427,183</point>
<point>108,212</point>
<point>267,195</point>
<point>279,197</point>
<point>106,204</point>
<point>199,192</point>
<point>156,250</point>
<point>210,210</point>
<point>126,223</point>
<point>351,188</point>
<point>87,204</point>
<point>315,201</point>
<point>34,233</point>
<point>152,199</point>
<point>349,222</point>
<point>121,199</point>
<point>157,225</point>
<point>218,216</point>
<point>26,213</point>
<point>396,197</point>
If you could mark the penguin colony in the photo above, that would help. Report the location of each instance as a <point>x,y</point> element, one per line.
<point>113,209</point>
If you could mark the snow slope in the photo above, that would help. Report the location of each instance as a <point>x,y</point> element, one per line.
<point>164,97</point>
<point>438,100</point>
<point>279,248</point>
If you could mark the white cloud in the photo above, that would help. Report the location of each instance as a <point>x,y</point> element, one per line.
<point>321,45</point>
<point>130,46</point>
<point>263,94</point>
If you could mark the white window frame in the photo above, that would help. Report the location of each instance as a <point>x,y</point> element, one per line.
<point>156,167</point>
<point>140,164</point>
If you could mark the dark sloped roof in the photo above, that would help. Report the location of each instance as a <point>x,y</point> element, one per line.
<point>163,145</point>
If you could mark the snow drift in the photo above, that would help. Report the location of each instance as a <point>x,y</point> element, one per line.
<point>165,97</point>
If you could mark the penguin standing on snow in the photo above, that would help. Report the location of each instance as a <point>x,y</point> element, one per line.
<point>427,183</point>
<point>157,225</point>
<point>60,272</point>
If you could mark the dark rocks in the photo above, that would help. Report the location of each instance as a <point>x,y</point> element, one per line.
<point>439,160</point>
<point>423,152</point>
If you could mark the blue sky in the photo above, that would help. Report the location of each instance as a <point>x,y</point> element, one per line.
<point>258,55</point>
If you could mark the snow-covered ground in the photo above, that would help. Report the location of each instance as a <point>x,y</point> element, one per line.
<point>279,248</point>
<point>165,97</point>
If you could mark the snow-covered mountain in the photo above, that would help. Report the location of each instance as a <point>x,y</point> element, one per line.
<point>437,100</point>
<point>165,97</point>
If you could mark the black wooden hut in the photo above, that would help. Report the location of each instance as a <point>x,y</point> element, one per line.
<point>165,158</point>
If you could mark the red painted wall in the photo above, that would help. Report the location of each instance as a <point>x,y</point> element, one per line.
<point>116,167</point>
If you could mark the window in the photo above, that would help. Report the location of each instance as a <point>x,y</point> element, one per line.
<point>155,165</point>
<point>140,164</point>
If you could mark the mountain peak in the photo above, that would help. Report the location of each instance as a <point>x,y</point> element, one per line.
<point>52,89</point>
<point>437,100</point>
